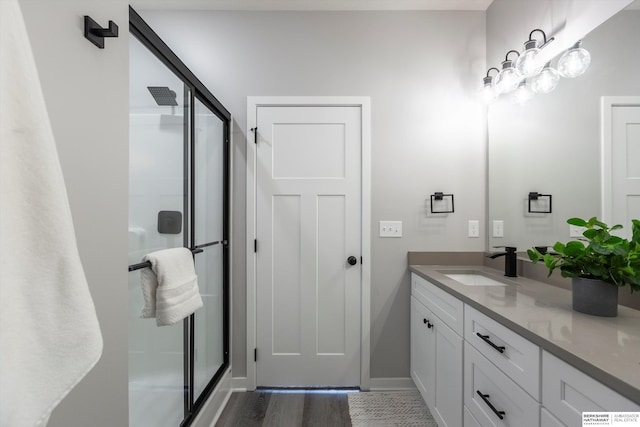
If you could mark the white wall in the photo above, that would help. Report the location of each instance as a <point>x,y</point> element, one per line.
<point>86,92</point>
<point>421,70</point>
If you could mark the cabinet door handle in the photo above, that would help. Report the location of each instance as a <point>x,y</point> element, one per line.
<point>428,323</point>
<point>485,397</point>
<point>486,339</point>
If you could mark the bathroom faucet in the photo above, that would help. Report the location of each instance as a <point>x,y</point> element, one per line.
<point>510,260</point>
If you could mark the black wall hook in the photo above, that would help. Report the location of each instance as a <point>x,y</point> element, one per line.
<point>96,34</point>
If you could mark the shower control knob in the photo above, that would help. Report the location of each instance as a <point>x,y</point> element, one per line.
<point>352,260</point>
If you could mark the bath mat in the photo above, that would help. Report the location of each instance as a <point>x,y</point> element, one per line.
<point>389,408</point>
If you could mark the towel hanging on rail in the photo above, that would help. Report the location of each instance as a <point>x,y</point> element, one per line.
<point>170,286</point>
<point>49,332</point>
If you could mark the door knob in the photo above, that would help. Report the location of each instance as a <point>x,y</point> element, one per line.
<point>352,260</point>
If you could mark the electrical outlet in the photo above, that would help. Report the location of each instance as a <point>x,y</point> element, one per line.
<point>498,228</point>
<point>390,228</point>
<point>474,228</point>
<point>575,231</point>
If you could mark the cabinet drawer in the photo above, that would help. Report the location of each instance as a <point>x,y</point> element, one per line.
<point>444,305</point>
<point>517,357</point>
<point>548,420</point>
<point>567,392</point>
<point>482,377</point>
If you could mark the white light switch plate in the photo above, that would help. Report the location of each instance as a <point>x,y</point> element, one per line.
<point>575,231</point>
<point>390,228</point>
<point>498,228</point>
<point>474,228</point>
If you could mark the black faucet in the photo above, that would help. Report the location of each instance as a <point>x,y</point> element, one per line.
<point>510,261</point>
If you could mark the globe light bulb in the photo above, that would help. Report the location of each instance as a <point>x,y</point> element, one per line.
<point>508,78</point>
<point>523,93</point>
<point>488,93</point>
<point>528,63</point>
<point>546,81</point>
<point>574,62</point>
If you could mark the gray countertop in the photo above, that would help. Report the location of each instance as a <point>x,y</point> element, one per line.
<point>606,348</point>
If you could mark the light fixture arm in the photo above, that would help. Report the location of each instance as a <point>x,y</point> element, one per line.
<point>506,58</point>
<point>544,36</point>
<point>492,68</point>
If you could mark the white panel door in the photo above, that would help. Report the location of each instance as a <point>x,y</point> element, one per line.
<point>308,224</point>
<point>625,160</point>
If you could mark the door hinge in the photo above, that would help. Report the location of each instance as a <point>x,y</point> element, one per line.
<point>255,245</point>
<point>255,354</point>
<point>255,135</point>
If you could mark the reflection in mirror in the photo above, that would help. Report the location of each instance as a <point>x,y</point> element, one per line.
<point>552,143</point>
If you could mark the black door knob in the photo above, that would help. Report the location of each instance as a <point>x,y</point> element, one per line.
<point>352,260</point>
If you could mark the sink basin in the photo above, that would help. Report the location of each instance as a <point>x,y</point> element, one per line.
<point>473,279</point>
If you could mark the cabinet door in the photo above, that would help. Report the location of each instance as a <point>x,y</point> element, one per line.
<point>422,351</point>
<point>567,392</point>
<point>447,409</point>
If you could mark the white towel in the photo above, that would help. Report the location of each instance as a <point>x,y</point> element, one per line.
<point>49,332</point>
<point>170,286</point>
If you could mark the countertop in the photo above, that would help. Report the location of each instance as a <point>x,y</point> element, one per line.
<point>606,348</point>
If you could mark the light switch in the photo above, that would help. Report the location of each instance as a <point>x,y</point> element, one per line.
<point>390,228</point>
<point>576,231</point>
<point>498,228</point>
<point>474,228</point>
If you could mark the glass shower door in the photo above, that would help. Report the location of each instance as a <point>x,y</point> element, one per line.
<point>209,185</point>
<point>157,210</point>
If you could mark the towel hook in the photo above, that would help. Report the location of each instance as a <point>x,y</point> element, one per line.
<point>96,34</point>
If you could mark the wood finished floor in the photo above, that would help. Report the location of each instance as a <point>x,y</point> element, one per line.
<point>268,409</point>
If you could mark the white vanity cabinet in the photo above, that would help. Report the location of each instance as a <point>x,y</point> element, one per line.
<point>505,380</point>
<point>436,351</point>
<point>567,392</point>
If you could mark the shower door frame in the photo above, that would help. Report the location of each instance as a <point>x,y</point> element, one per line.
<point>195,89</point>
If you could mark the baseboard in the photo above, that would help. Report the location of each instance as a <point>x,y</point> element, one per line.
<point>385,384</point>
<point>213,407</point>
<point>240,384</point>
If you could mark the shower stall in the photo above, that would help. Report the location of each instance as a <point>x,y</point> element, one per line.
<point>178,197</point>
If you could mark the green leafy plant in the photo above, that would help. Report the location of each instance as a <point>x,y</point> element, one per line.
<point>598,255</point>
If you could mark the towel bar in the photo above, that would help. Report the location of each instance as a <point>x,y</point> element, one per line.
<point>141,265</point>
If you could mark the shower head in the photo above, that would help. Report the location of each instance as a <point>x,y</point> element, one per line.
<point>163,95</point>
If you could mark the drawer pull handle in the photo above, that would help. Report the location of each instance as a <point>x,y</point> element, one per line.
<point>486,339</point>
<point>485,397</point>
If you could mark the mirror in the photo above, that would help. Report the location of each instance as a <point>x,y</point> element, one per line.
<point>551,144</point>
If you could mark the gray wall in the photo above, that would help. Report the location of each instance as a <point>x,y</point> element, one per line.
<point>422,71</point>
<point>86,92</point>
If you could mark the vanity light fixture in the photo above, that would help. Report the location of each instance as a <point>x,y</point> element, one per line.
<point>528,63</point>
<point>508,78</point>
<point>488,93</point>
<point>546,81</point>
<point>574,62</point>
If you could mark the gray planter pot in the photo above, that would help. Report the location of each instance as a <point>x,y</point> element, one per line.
<point>595,297</point>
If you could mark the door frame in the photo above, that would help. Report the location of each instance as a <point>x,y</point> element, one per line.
<point>364,102</point>
<point>607,104</point>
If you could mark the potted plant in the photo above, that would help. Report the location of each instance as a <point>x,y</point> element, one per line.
<point>598,263</point>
